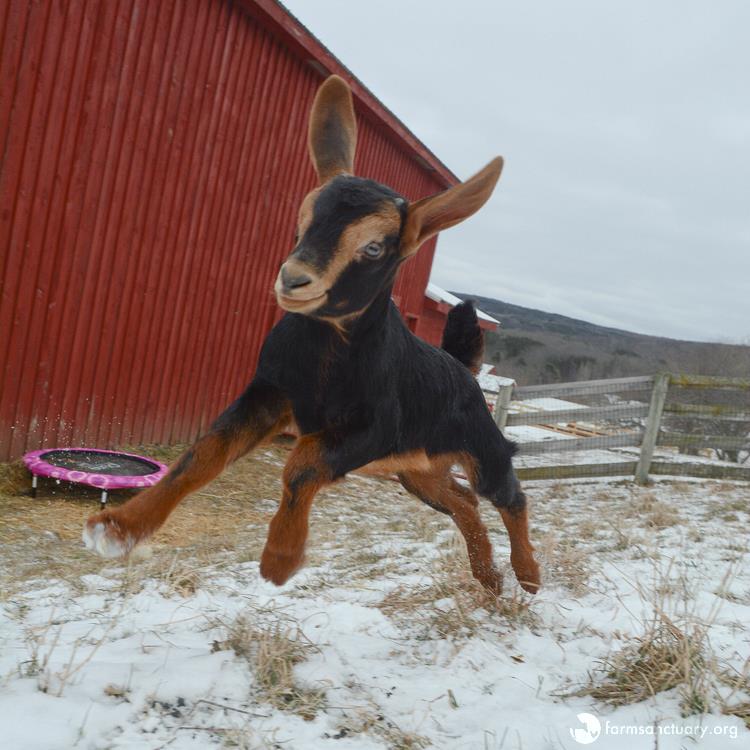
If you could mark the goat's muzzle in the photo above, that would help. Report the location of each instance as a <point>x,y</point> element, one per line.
<point>298,289</point>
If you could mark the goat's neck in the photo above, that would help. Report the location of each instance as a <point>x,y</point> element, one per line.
<point>344,338</point>
<point>371,325</point>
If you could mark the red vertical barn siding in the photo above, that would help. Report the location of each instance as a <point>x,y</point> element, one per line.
<point>153,157</point>
<point>431,325</point>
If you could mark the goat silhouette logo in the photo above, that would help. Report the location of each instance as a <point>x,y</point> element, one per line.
<point>590,732</point>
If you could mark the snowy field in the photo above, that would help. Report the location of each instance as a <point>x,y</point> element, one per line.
<point>383,640</point>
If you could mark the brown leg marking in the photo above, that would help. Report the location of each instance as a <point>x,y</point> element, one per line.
<point>516,523</point>
<point>304,474</point>
<point>440,491</point>
<point>522,559</point>
<point>115,532</point>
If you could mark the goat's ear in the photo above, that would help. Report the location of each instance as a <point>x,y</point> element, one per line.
<point>428,216</point>
<point>332,133</point>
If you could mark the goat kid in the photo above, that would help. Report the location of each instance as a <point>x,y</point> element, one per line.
<point>361,388</point>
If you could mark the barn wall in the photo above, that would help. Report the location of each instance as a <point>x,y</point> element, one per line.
<point>153,158</point>
<point>431,324</point>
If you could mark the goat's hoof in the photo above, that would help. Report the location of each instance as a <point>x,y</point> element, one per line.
<point>279,568</point>
<point>527,573</point>
<point>107,536</point>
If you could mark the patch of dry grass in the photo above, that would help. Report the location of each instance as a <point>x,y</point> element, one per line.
<point>664,657</point>
<point>672,652</point>
<point>738,504</point>
<point>272,650</point>
<point>626,537</point>
<point>454,605</point>
<point>652,512</point>
<point>373,722</point>
<point>42,643</point>
<point>247,738</point>
<point>564,561</point>
<point>737,702</point>
<point>225,521</point>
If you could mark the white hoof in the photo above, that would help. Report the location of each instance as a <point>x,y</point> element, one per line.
<point>97,540</point>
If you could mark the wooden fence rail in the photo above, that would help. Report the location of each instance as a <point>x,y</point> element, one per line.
<point>630,423</point>
<point>579,387</point>
<point>545,417</point>
<point>580,444</point>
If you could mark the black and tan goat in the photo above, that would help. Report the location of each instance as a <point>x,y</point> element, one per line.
<point>360,387</point>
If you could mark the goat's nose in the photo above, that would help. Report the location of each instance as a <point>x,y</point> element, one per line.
<point>294,280</point>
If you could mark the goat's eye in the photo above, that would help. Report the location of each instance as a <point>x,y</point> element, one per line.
<point>373,250</point>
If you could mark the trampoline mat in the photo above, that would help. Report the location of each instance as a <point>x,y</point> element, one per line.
<point>94,462</point>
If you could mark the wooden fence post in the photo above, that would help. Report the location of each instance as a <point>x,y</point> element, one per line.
<point>500,412</point>
<point>653,422</point>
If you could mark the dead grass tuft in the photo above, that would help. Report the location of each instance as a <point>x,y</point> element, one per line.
<point>42,642</point>
<point>652,512</point>
<point>14,479</point>
<point>272,650</point>
<point>673,652</point>
<point>247,738</point>
<point>664,657</point>
<point>564,562</point>
<point>454,605</point>
<point>737,702</point>
<point>559,490</point>
<point>737,504</point>
<point>626,537</point>
<point>740,710</point>
<point>373,722</point>
<point>602,495</point>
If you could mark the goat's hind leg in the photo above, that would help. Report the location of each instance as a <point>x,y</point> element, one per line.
<point>522,559</point>
<point>258,414</point>
<point>440,491</point>
<point>510,500</point>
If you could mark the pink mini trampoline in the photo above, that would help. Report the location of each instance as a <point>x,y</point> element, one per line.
<point>105,470</point>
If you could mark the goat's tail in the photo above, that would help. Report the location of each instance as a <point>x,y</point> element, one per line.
<point>463,338</point>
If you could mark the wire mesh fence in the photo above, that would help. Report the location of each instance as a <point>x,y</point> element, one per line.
<point>682,425</point>
<point>705,422</point>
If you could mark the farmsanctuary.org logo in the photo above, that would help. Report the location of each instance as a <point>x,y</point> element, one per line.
<point>589,732</point>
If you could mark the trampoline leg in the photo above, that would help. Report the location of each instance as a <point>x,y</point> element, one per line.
<point>103,501</point>
<point>34,482</point>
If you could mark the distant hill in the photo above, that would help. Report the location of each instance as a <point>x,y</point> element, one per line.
<point>533,346</point>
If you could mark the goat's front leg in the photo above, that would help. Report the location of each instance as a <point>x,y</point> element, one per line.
<point>305,473</point>
<point>315,461</point>
<point>258,414</point>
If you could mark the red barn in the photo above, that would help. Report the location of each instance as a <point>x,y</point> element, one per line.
<point>153,158</point>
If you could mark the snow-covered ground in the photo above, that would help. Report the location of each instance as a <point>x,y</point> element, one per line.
<point>383,640</point>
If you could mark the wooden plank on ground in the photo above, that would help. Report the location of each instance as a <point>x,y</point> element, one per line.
<point>581,444</point>
<point>576,471</point>
<point>573,429</point>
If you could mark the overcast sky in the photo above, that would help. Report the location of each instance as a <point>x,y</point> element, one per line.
<point>625,128</point>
